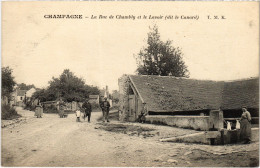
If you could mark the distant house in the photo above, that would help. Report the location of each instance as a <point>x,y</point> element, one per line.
<point>29,93</point>
<point>165,95</point>
<point>94,99</point>
<point>19,96</point>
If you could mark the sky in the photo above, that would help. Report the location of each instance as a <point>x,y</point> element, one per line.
<point>102,50</point>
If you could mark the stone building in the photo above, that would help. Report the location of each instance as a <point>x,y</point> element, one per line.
<point>18,97</point>
<point>175,96</point>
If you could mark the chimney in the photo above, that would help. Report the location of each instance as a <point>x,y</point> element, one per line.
<point>106,92</point>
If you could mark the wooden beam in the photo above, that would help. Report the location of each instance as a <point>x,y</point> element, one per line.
<point>136,89</point>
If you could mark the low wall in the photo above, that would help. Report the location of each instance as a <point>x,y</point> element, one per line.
<point>229,137</point>
<point>192,122</point>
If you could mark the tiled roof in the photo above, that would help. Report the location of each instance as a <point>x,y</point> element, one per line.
<point>183,94</point>
<point>241,93</point>
<point>21,92</point>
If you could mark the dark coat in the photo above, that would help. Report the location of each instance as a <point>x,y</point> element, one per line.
<point>105,105</point>
<point>87,106</point>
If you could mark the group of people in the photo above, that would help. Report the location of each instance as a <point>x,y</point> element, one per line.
<point>87,109</point>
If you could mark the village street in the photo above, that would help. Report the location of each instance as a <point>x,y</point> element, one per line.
<point>54,141</point>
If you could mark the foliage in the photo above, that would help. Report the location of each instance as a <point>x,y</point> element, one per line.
<point>115,96</point>
<point>50,109</point>
<point>8,112</point>
<point>95,106</point>
<point>160,58</point>
<point>29,106</point>
<point>23,86</point>
<point>8,82</point>
<point>43,95</point>
<point>67,86</point>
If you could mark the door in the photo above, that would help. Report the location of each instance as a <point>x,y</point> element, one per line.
<point>132,110</point>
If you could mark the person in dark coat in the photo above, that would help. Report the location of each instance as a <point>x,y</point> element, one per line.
<point>105,105</point>
<point>245,126</point>
<point>88,109</point>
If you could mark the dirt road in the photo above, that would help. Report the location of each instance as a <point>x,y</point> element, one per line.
<point>53,141</point>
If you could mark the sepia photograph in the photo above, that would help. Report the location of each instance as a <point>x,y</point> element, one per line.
<point>129,84</point>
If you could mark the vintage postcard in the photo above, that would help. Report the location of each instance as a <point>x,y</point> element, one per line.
<point>130,84</point>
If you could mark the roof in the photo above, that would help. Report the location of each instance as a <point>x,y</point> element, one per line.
<point>241,93</point>
<point>166,93</point>
<point>30,92</point>
<point>21,92</point>
<point>93,96</point>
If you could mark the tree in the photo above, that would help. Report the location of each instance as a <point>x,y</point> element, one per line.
<point>67,86</point>
<point>23,86</point>
<point>8,82</point>
<point>115,96</point>
<point>160,58</point>
<point>40,94</point>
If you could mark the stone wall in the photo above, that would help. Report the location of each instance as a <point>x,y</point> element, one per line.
<point>191,122</point>
<point>216,120</point>
<point>123,84</point>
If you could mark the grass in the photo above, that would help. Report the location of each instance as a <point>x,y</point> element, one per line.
<point>9,113</point>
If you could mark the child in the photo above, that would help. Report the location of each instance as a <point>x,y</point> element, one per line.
<point>78,113</point>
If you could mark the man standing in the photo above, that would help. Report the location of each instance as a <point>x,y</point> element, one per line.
<point>88,109</point>
<point>105,109</point>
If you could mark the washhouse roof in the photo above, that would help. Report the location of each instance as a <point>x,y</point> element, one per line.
<point>168,94</point>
